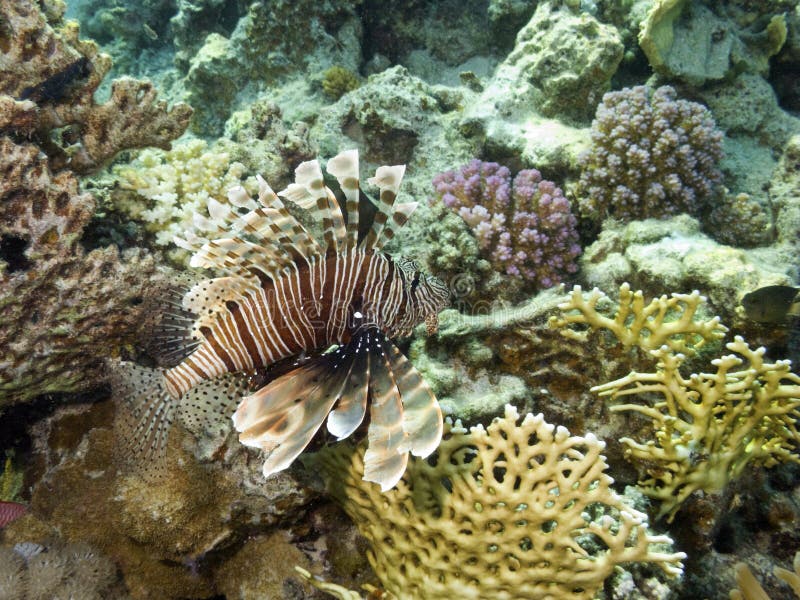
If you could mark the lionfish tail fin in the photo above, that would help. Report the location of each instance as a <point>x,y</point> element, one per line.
<point>145,412</point>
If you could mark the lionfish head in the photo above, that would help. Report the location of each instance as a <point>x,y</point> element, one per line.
<point>426,294</point>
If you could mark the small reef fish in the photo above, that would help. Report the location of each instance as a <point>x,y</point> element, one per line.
<point>11,511</point>
<point>338,302</point>
<point>772,304</point>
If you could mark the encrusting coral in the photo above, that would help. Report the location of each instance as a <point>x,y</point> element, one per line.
<point>652,155</point>
<point>707,427</point>
<point>500,512</point>
<point>63,308</point>
<point>525,227</point>
<point>52,76</point>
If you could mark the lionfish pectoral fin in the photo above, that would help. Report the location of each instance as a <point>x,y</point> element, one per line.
<point>352,406</point>
<point>404,415</point>
<point>422,415</point>
<point>283,416</point>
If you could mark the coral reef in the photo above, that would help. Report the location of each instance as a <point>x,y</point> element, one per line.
<point>561,64</point>
<point>337,81</point>
<point>740,220</point>
<point>661,255</point>
<point>710,426</point>
<point>171,535</point>
<point>665,321</point>
<point>59,76</point>
<point>171,187</point>
<point>525,228</point>
<point>748,587</point>
<point>74,570</point>
<point>64,310</point>
<point>652,155</point>
<point>479,521</point>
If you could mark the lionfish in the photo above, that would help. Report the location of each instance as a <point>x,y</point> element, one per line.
<point>282,293</point>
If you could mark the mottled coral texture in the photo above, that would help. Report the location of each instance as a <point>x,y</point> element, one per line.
<point>56,73</point>
<point>652,155</point>
<point>64,308</point>
<point>525,226</point>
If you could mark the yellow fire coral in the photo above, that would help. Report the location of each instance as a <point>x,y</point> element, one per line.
<point>748,587</point>
<point>499,512</point>
<point>709,427</point>
<point>666,320</point>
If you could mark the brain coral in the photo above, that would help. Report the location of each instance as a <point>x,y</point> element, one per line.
<point>525,227</point>
<point>652,155</point>
<point>519,509</point>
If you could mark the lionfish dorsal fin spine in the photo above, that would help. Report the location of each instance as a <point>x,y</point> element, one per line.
<point>344,167</point>
<point>388,180</point>
<point>288,231</point>
<point>309,191</point>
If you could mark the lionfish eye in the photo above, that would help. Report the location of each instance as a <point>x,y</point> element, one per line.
<point>415,281</point>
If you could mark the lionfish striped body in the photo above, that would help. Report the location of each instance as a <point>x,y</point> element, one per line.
<point>281,293</point>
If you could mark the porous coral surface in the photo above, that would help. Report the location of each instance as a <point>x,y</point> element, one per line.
<point>64,309</point>
<point>501,512</point>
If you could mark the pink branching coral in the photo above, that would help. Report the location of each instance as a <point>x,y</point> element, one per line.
<point>525,227</point>
<point>651,156</point>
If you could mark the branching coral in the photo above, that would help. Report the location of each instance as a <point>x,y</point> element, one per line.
<point>178,184</point>
<point>748,587</point>
<point>526,227</point>
<point>500,512</point>
<point>710,426</point>
<point>671,321</point>
<point>652,155</point>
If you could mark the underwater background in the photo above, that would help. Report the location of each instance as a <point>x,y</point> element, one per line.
<point>610,191</point>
